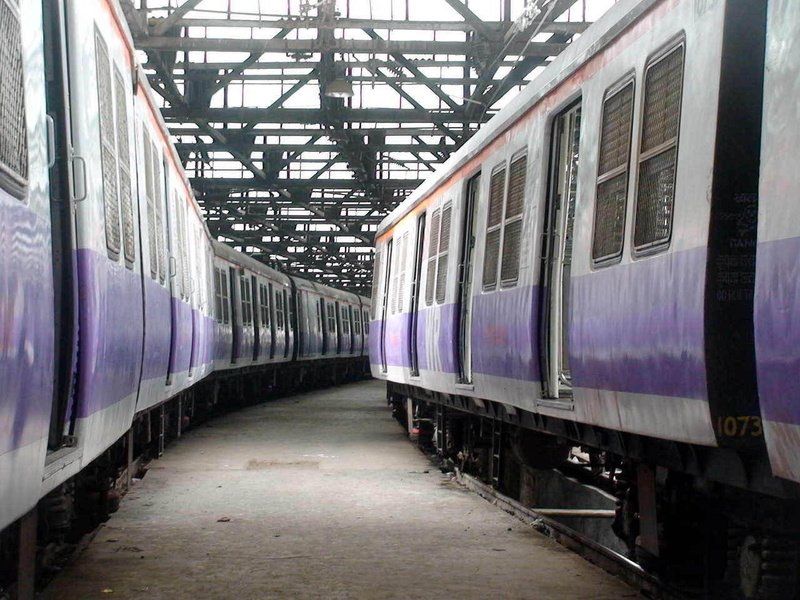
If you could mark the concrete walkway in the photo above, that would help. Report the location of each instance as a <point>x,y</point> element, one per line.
<point>318,496</point>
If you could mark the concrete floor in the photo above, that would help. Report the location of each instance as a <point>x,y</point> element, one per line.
<point>317,496</point>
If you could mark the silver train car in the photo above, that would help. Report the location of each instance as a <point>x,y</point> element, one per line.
<point>583,269</point>
<point>121,319</point>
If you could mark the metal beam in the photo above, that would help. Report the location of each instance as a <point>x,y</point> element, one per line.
<point>314,115</point>
<point>496,28</point>
<point>304,186</point>
<point>311,46</point>
<point>162,27</point>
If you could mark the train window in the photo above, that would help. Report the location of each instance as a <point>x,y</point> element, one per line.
<point>658,152</point>
<point>357,322</point>
<point>263,303</point>
<point>376,276</point>
<point>225,296</point>
<point>108,148</point>
<point>218,294</point>
<point>158,198</point>
<point>331,313</point>
<point>366,323</point>
<point>149,177</point>
<point>494,226</point>
<point>433,249</point>
<point>612,178</point>
<point>512,220</point>
<point>345,321</point>
<point>444,252</point>
<point>279,314</point>
<point>399,274</point>
<point>13,128</point>
<point>124,156</point>
<point>247,300</point>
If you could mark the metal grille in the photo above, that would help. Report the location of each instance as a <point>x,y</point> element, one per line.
<point>612,187</point>
<point>430,279</point>
<point>655,199</point>
<point>609,218</point>
<point>496,197</point>
<point>615,140</point>
<point>13,129</point>
<point>433,246</point>
<point>444,237</point>
<point>376,276</point>
<point>159,203</point>
<point>511,246</point>
<point>124,155</point>
<point>433,249</point>
<point>491,259</point>
<point>662,105</point>
<point>441,279</point>
<point>444,246</point>
<point>516,187</point>
<point>108,148</point>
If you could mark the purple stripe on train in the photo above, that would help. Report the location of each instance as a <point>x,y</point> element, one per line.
<point>110,335</point>
<point>26,325</point>
<point>503,334</point>
<point>157,330</point>
<point>777,329</point>
<point>181,350</point>
<point>641,331</point>
<point>642,327</point>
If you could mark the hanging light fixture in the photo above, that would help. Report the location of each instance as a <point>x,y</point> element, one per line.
<point>339,88</point>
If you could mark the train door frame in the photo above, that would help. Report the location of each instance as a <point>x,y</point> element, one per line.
<point>255,303</point>
<point>557,240</point>
<point>236,309</point>
<point>323,324</point>
<point>66,189</point>
<point>338,312</point>
<point>416,280</point>
<point>351,327</point>
<point>288,314</point>
<point>466,275</point>
<point>272,324</point>
<point>384,303</point>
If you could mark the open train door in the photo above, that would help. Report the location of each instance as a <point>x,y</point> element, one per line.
<point>384,312</point>
<point>557,256</point>
<point>465,277</point>
<point>67,188</point>
<point>416,287</point>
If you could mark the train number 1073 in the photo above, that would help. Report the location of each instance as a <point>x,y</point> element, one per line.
<point>746,426</point>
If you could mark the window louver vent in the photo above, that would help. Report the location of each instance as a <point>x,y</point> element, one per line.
<point>657,163</point>
<point>612,186</point>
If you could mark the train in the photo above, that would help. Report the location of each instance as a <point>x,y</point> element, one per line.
<point>121,318</point>
<point>610,264</point>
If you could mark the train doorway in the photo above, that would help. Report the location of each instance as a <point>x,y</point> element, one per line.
<point>557,255</point>
<point>387,277</point>
<point>465,277</point>
<point>415,289</point>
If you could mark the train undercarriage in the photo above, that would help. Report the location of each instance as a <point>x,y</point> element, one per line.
<point>704,521</point>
